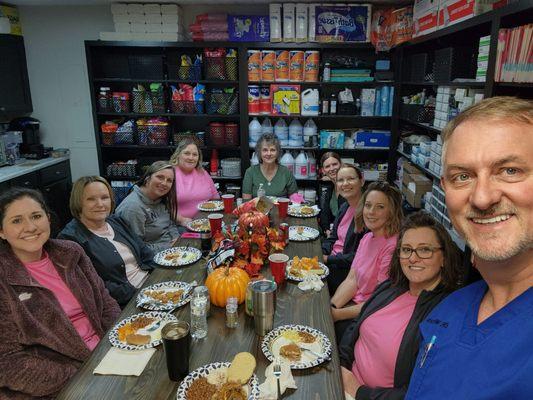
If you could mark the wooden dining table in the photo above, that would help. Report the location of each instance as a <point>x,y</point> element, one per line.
<point>293,306</point>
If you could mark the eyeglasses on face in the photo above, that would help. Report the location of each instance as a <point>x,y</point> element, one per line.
<point>422,252</point>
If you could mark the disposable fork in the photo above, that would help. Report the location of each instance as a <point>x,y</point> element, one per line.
<point>276,370</point>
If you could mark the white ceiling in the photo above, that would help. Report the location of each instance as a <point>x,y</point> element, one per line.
<point>184,2</point>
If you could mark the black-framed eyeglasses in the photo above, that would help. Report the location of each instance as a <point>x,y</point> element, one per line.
<point>421,252</point>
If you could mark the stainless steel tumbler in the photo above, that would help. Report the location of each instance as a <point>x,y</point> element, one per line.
<point>264,305</point>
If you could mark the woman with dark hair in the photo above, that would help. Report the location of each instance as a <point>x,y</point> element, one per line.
<point>121,258</point>
<point>54,307</point>
<point>382,216</point>
<point>340,247</point>
<point>151,209</point>
<point>276,179</point>
<point>193,183</point>
<point>328,198</point>
<point>378,351</point>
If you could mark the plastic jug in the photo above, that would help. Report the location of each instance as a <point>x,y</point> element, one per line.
<point>310,134</point>
<point>301,166</point>
<point>296,132</point>
<point>266,126</point>
<point>288,161</point>
<point>254,131</point>
<point>310,102</point>
<point>281,130</point>
<point>312,165</point>
<point>254,160</point>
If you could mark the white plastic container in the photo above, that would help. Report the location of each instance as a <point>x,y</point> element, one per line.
<point>275,22</point>
<point>289,22</point>
<point>312,165</point>
<point>312,23</point>
<point>281,130</point>
<point>310,102</point>
<point>254,160</point>
<point>266,127</point>
<point>310,134</point>
<point>301,22</point>
<point>254,132</point>
<point>296,131</point>
<point>288,161</point>
<point>301,166</point>
<point>310,195</point>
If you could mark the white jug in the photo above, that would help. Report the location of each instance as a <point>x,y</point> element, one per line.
<point>310,101</point>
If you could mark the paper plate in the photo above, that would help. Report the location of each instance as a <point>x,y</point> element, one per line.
<point>297,278</point>
<point>303,211</point>
<point>211,206</point>
<point>298,233</point>
<point>178,256</point>
<point>199,225</point>
<point>148,302</point>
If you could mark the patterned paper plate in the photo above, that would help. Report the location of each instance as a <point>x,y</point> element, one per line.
<point>303,211</point>
<point>211,205</point>
<point>148,302</point>
<point>288,333</point>
<point>178,256</point>
<point>156,334</point>
<point>203,372</point>
<point>199,225</point>
<point>291,276</point>
<point>298,233</point>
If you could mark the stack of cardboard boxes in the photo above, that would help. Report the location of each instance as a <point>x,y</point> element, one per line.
<point>483,58</point>
<point>150,22</point>
<point>414,185</point>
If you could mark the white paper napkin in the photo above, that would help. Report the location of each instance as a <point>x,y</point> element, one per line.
<point>124,362</point>
<point>268,390</point>
<point>348,396</point>
<point>311,282</point>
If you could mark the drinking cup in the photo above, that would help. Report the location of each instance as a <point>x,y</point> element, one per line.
<point>264,305</point>
<point>228,200</point>
<point>283,207</point>
<point>278,266</point>
<point>215,222</point>
<point>176,342</point>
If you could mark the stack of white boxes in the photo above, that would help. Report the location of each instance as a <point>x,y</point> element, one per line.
<point>435,156</point>
<point>483,58</point>
<point>442,106</point>
<point>149,22</point>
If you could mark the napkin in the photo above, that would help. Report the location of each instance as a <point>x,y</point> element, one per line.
<point>348,396</point>
<point>311,282</point>
<point>124,362</point>
<point>268,390</point>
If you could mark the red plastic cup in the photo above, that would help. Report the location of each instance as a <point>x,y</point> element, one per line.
<point>278,265</point>
<point>228,202</point>
<point>283,207</point>
<point>215,222</point>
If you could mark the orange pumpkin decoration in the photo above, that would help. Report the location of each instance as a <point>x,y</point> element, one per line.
<point>254,219</point>
<point>227,282</point>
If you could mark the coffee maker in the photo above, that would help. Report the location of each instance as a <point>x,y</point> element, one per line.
<point>31,146</point>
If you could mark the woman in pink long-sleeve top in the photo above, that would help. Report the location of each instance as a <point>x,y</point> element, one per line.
<point>193,183</point>
<point>54,307</point>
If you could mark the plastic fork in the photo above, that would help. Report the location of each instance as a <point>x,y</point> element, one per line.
<point>276,370</point>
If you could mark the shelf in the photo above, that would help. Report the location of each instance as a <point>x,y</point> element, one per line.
<point>294,148</point>
<point>136,147</point>
<point>142,80</point>
<point>464,84</point>
<point>422,125</point>
<point>357,149</point>
<point>324,84</point>
<point>225,178</point>
<point>521,85</point>
<point>121,178</point>
<point>311,46</point>
<point>140,115</point>
<point>356,118</point>
<point>427,171</point>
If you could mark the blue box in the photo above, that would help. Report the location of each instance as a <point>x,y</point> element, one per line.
<point>249,28</point>
<point>372,139</point>
<point>331,139</point>
<point>343,23</point>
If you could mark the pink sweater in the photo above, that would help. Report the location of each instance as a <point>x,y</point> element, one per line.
<point>192,189</point>
<point>44,272</point>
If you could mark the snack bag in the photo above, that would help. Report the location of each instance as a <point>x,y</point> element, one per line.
<point>261,204</point>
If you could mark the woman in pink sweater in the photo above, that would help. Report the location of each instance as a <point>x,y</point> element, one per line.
<point>193,183</point>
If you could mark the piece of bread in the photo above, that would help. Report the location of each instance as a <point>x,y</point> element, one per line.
<point>138,340</point>
<point>242,367</point>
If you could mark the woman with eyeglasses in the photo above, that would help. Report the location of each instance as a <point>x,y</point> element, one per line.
<point>378,351</point>
<point>382,216</point>
<point>328,196</point>
<point>339,248</point>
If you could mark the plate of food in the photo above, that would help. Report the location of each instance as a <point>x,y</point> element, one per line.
<point>178,256</point>
<point>298,268</point>
<point>222,381</point>
<point>211,205</point>
<point>300,211</point>
<point>303,346</point>
<point>164,296</point>
<point>139,331</point>
<point>299,233</point>
<point>199,225</point>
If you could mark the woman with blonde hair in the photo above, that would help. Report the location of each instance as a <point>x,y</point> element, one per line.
<point>120,257</point>
<point>151,208</point>
<point>193,185</point>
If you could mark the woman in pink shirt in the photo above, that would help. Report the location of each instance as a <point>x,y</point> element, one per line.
<point>54,307</point>
<point>193,183</point>
<point>382,215</point>
<point>378,351</point>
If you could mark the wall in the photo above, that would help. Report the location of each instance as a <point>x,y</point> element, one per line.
<point>54,38</point>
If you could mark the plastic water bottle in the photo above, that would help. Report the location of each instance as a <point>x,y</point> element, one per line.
<point>288,161</point>
<point>254,130</point>
<point>261,191</point>
<point>198,317</point>
<point>266,127</point>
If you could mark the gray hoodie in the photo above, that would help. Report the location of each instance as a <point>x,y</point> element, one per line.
<point>149,219</point>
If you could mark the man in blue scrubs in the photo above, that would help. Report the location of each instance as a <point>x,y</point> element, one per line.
<point>478,343</point>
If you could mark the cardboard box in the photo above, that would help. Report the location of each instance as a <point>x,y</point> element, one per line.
<point>11,21</point>
<point>331,139</point>
<point>249,28</point>
<point>343,23</point>
<point>454,11</point>
<point>425,17</point>
<point>372,139</point>
<point>414,187</point>
<point>285,99</point>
